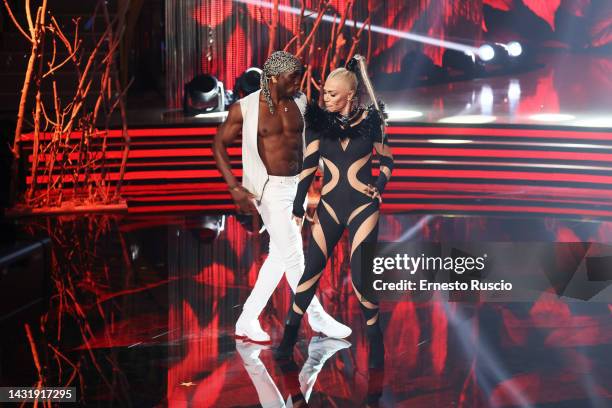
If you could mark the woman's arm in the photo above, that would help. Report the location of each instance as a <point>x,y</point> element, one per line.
<point>381,145</point>
<point>386,163</point>
<point>309,168</point>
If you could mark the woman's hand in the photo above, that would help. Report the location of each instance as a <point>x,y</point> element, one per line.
<point>299,221</point>
<point>373,192</point>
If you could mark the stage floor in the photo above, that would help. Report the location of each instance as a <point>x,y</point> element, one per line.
<point>140,310</point>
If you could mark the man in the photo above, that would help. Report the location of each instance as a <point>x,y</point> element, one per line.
<point>272,128</point>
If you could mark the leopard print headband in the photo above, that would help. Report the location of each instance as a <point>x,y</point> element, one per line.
<point>278,62</point>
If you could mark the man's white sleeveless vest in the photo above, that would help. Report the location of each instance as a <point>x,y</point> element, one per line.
<point>254,174</point>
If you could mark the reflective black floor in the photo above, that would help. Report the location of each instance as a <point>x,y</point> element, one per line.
<point>139,311</point>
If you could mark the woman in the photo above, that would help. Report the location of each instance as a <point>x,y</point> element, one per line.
<point>344,136</point>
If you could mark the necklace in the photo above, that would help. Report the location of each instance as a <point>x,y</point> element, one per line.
<point>346,119</point>
<point>284,109</point>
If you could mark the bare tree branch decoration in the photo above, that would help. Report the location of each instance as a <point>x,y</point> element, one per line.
<point>69,140</point>
<point>323,52</point>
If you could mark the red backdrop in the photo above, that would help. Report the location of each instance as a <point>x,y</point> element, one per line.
<point>224,37</point>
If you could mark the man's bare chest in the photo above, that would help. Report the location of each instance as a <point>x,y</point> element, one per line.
<point>286,121</point>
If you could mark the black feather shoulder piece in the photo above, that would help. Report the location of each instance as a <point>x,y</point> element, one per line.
<point>329,125</point>
<point>325,123</point>
<point>317,118</point>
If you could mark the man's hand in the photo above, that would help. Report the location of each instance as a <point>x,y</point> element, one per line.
<point>243,200</point>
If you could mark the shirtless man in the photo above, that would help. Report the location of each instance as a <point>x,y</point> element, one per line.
<point>271,124</point>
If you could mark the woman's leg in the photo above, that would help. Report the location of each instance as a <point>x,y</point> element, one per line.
<point>363,230</point>
<point>326,232</point>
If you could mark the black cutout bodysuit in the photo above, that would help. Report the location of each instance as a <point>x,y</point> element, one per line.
<point>344,203</point>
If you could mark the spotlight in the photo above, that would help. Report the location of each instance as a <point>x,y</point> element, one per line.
<point>203,94</point>
<point>500,54</point>
<point>247,83</point>
<point>486,52</point>
<point>514,49</point>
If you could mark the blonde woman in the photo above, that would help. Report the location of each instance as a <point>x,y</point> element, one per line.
<point>343,135</point>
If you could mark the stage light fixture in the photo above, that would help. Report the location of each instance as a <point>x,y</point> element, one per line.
<point>211,227</point>
<point>514,49</point>
<point>500,54</point>
<point>247,83</point>
<point>203,94</point>
<point>486,52</point>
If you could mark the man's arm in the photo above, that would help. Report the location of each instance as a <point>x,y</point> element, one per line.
<point>228,133</point>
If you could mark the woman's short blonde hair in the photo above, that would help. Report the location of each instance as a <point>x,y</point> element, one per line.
<point>347,76</point>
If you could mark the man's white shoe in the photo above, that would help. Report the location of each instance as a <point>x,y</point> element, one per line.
<point>322,322</point>
<point>251,330</point>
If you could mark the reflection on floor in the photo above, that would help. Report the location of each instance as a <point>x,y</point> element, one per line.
<point>141,313</point>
